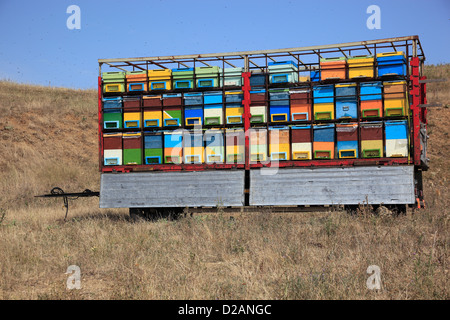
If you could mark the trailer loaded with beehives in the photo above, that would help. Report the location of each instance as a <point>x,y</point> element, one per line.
<point>341,124</point>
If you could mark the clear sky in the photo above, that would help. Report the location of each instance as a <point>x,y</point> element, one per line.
<point>37,47</point>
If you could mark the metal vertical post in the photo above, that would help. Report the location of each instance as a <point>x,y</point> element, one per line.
<point>415,94</point>
<point>246,116</point>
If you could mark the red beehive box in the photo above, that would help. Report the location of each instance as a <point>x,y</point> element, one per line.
<point>301,134</point>
<point>152,101</point>
<point>133,141</point>
<point>112,141</point>
<point>131,104</point>
<point>347,132</point>
<point>172,99</point>
<point>372,131</point>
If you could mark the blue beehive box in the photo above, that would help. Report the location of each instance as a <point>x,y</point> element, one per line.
<point>324,133</point>
<point>283,71</point>
<point>279,108</point>
<point>153,141</point>
<point>347,149</point>
<point>314,75</point>
<point>193,115</point>
<point>396,129</point>
<point>193,99</point>
<point>370,90</point>
<point>279,97</point>
<point>323,94</point>
<point>258,80</point>
<point>234,97</point>
<point>279,113</point>
<point>173,140</point>
<point>391,63</point>
<point>346,108</point>
<point>346,90</point>
<point>212,97</point>
<point>112,103</point>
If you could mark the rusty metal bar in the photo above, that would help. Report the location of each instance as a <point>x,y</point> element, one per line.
<point>255,52</point>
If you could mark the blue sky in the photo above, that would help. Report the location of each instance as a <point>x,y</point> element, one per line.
<point>37,47</point>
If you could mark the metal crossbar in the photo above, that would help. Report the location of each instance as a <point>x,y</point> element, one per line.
<point>410,44</point>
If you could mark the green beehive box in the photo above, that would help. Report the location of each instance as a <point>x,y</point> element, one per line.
<point>112,120</point>
<point>115,76</point>
<point>153,156</point>
<point>132,156</point>
<point>207,71</point>
<point>207,77</point>
<point>187,73</point>
<point>172,117</point>
<point>183,78</point>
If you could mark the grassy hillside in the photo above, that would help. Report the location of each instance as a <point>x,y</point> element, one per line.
<point>49,138</point>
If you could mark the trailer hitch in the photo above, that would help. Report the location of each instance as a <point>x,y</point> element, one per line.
<point>57,192</point>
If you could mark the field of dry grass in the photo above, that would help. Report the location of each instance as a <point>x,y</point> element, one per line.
<point>49,138</point>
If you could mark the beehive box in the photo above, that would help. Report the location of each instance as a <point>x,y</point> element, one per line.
<point>301,142</point>
<point>361,67</point>
<point>333,68</point>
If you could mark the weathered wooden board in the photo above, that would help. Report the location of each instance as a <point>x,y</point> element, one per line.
<point>322,186</point>
<point>172,189</point>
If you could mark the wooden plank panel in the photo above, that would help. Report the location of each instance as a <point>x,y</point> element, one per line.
<point>172,189</point>
<point>322,186</point>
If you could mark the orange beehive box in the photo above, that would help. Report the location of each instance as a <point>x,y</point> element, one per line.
<point>323,150</point>
<point>136,81</point>
<point>333,68</point>
<point>371,108</point>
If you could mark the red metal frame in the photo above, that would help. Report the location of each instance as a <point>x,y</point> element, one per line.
<point>100,125</point>
<point>246,102</point>
<point>415,94</point>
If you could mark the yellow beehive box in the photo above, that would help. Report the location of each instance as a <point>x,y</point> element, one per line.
<point>280,151</point>
<point>394,107</point>
<point>234,115</point>
<point>159,74</point>
<point>160,79</point>
<point>132,119</point>
<point>361,67</point>
<point>114,87</point>
<point>152,119</point>
<point>395,98</point>
<point>324,111</point>
<point>372,148</point>
<point>193,155</point>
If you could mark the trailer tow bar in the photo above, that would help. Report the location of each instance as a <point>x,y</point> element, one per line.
<point>57,192</point>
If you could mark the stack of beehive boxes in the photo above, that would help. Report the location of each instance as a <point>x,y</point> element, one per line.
<point>346,108</point>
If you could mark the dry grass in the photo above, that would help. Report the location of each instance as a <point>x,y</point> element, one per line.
<point>49,138</point>
<point>252,256</point>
